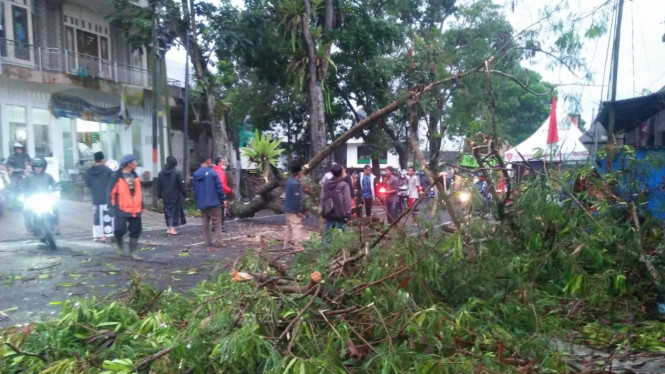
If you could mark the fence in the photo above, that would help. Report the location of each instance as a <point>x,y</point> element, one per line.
<point>63,61</point>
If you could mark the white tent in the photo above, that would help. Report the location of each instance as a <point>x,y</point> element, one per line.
<point>569,148</point>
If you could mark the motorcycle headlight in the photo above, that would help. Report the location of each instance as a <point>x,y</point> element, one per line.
<point>464,197</point>
<point>39,204</point>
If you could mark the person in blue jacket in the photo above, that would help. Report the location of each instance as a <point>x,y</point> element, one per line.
<point>209,199</point>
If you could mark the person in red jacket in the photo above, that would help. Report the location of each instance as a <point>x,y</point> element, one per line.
<point>220,167</point>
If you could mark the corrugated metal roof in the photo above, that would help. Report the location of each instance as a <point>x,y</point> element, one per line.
<point>631,112</point>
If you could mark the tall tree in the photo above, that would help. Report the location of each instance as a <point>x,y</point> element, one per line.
<point>173,18</point>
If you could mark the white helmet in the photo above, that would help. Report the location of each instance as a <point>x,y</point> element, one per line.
<point>18,145</point>
<point>112,164</point>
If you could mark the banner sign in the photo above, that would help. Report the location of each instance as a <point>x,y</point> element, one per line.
<point>69,106</point>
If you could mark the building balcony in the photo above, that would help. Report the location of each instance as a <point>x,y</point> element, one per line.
<point>56,60</point>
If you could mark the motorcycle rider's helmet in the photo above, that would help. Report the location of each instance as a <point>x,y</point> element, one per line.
<point>39,163</point>
<point>18,145</point>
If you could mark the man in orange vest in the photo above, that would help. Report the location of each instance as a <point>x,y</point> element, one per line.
<point>126,204</point>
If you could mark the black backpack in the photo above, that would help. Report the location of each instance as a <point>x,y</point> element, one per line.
<point>330,204</point>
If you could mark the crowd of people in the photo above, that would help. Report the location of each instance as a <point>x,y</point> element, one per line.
<point>118,200</point>
<point>345,194</point>
<point>117,197</point>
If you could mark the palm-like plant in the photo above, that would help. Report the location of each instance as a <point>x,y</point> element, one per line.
<point>264,151</point>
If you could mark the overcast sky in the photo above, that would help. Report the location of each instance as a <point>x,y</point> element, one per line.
<point>641,62</point>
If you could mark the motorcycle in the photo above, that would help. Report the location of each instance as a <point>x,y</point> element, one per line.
<point>39,210</point>
<point>403,194</point>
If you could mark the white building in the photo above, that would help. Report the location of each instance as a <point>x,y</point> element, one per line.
<point>358,155</point>
<point>70,85</point>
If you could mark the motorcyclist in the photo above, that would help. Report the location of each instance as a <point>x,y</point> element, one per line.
<point>16,165</point>
<point>19,159</point>
<point>41,182</point>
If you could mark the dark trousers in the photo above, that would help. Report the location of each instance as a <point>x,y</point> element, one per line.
<point>393,210</point>
<point>331,224</point>
<point>368,206</point>
<point>124,224</point>
<point>208,216</point>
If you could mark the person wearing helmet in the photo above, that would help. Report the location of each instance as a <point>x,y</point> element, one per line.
<point>17,161</point>
<point>16,167</point>
<point>39,181</point>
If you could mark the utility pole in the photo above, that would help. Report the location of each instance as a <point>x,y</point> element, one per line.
<point>615,70</point>
<point>185,154</point>
<point>155,100</point>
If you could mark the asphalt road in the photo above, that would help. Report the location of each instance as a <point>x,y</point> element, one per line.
<point>34,279</point>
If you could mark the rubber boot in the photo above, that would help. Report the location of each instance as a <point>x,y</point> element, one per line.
<point>133,244</point>
<point>119,247</point>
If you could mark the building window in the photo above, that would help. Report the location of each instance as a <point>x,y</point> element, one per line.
<point>89,39</point>
<point>92,137</point>
<point>15,30</point>
<point>104,47</point>
<point>365,156</point>
<point>87,43</point>
<point>18,125</point>
<point>41,119</point>
<point>69,39</point>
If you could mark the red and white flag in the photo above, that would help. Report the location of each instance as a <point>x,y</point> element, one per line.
<point>553,131</point>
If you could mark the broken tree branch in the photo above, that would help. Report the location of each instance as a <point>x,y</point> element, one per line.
<point>145,363</point>
<point>24,353</point>
<point>297,318</point>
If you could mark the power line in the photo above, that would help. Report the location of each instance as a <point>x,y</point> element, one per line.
<point>609,41</point>
<point>632,39</point>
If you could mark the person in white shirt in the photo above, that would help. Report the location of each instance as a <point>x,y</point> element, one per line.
<point>414,193</point>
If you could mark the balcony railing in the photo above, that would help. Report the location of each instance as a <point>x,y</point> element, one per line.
<point>58,60</point>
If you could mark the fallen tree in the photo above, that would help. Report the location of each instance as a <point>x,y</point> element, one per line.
<point>266,200</point>
<point>492,297</point>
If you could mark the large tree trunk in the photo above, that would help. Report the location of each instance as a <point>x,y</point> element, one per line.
<point>219,134</point>
<point>431,174</point>
<point>436,132</point>
<point>400,149</point>
<point>218,125</point>
<point>317,68</point>
<point>435,140</point>
<point>317,122</point>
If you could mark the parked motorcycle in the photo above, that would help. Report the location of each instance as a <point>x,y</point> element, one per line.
<point>39,210</point>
